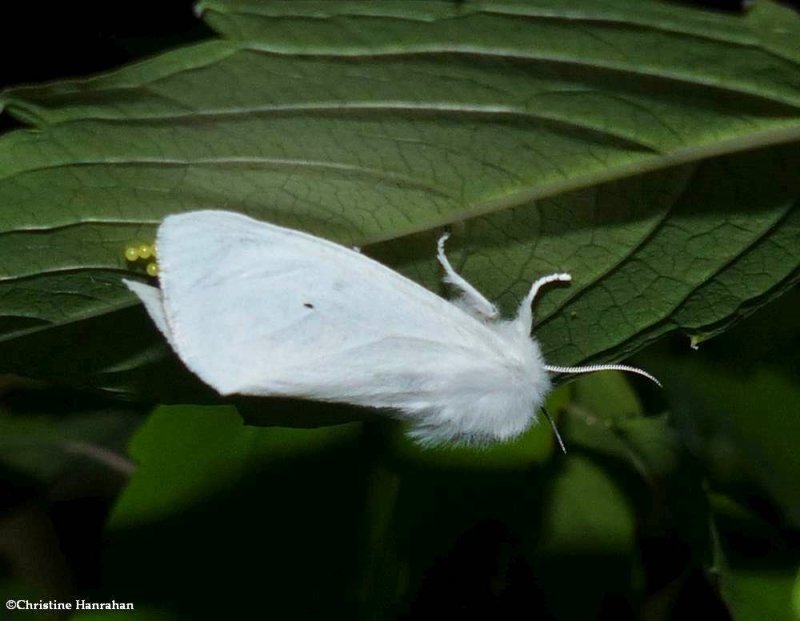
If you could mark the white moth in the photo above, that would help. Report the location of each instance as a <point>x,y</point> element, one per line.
<point>258,309</point>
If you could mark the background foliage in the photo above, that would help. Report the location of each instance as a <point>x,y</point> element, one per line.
<point>649,148</point>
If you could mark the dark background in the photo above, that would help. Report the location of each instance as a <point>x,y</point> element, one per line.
<point>48,41</point>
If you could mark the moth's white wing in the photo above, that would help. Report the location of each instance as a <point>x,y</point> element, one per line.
<point>258,309</point>
<point>153,302</point>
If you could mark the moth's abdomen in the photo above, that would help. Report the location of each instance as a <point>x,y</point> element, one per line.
<point>493,405</point>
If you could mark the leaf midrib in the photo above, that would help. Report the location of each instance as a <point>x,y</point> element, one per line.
<point>544,189</point>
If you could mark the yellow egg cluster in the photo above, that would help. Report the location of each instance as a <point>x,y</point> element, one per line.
<point>143,252</point>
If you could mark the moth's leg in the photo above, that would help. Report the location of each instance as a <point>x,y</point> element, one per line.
<point>541,282</point>
<point>525,313</point>
<point>472,300</point>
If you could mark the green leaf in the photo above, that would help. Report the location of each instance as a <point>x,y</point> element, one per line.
<point>796,596</point>
<point>604,418</point>
<point>587,537</point>
<point>759,568</point>
<point>209,491</point>
<point>76,441</point>
<point>740,450</point>
<point>587,511</point>
<point>758,594</point>
<point>647,148</point>
<point>181,468</point>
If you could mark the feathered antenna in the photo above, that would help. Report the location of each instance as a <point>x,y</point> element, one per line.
<point>603,367</point>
